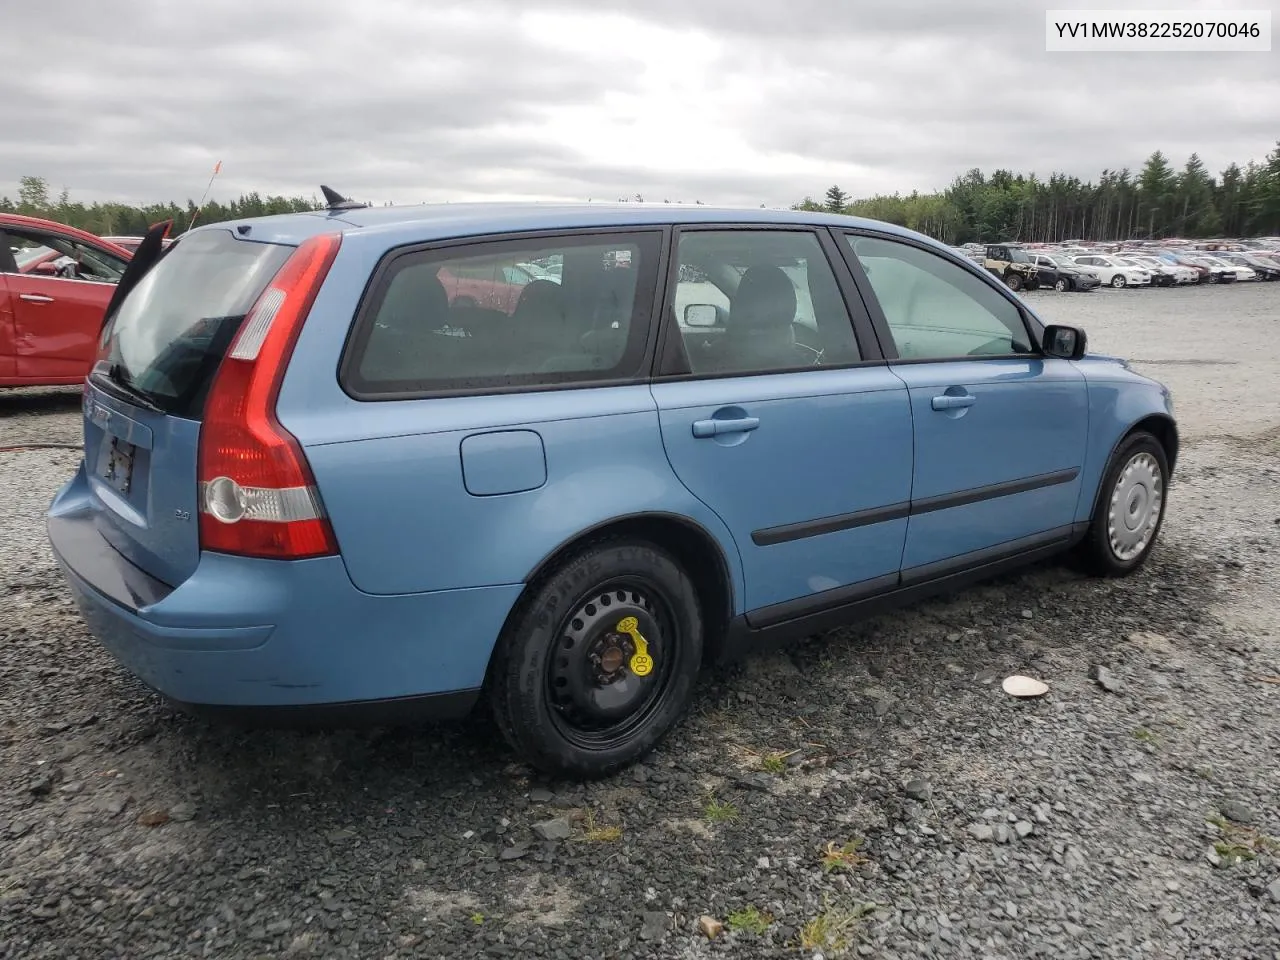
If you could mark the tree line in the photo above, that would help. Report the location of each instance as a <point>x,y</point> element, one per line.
<point>1157,201</point>
<point>124,220</point>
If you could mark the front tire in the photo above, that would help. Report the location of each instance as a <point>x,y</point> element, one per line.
<point>1130,509</point>
<point>570,687</point>
<point>1013,281</point>
<point>1062,285</point>
<point>1118,281</point>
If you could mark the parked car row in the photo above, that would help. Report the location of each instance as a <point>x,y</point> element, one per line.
<point>1075,266</point>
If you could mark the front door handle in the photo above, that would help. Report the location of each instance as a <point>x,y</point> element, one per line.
<point>717,428</point>
<point>947,402</point>
<point>34,298</point>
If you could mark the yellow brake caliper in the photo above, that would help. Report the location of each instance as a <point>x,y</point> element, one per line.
<point>641,662</point>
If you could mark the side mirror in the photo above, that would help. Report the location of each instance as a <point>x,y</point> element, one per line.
<point>1065,343</point>
<point>701,315</point>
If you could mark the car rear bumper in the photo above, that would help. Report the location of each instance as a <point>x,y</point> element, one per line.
<point>272,637</point>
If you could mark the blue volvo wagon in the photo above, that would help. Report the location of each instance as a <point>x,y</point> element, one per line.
<point>389,460</point>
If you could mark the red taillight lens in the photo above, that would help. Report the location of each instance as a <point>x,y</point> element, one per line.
<point>257,495</point>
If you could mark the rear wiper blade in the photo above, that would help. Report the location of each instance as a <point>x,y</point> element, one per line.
<point>110,380</point>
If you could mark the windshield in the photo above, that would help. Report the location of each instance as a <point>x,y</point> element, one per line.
<point>1018,256</point>
<point>170,332</point>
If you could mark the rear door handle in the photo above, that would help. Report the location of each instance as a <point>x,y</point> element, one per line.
<point>717,428</point>
<point>34,298</point>
<point>946,402</point>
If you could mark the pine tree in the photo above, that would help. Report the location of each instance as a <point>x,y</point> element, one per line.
<point>1155,188</point>
<point>837,199</point>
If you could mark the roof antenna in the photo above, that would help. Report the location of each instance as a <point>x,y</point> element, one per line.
<point>337,201</point>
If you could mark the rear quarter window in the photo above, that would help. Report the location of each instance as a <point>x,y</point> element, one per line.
<point>475,317</point>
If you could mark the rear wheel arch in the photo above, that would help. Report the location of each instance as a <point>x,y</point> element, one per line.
<point>691,544</point>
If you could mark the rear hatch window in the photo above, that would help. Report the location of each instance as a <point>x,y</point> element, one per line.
<point>164,343</point>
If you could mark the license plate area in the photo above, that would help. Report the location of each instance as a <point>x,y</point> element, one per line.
<point>117,464</point>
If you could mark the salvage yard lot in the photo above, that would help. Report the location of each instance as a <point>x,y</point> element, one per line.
<point>873,789</point>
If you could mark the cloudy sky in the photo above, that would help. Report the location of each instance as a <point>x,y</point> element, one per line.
<point>724,101</point>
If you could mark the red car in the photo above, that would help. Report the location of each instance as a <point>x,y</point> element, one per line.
<point>55,284</point>
<point>494,286</point>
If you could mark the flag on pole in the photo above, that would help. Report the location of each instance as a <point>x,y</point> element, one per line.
<point>217,168</point>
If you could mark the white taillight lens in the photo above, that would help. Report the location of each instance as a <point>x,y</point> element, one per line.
<point>228,502</point>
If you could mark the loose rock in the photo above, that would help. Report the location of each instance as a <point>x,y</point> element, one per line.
<point>710,927</point>
<point>654,926</point>
<point>1019,686</point>
<point>1105,679</point>
<point>1237,811</point>
<point>182,812</point>
<point>918,789</point>
<point>557,829</point>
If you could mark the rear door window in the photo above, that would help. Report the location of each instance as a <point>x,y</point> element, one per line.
<point>169,334</point>
<point>507,314</point>
<point>759,301</point>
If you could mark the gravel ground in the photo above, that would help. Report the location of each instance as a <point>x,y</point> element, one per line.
<point>1131,821</point>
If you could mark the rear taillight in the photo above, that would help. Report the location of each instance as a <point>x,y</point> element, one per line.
<point>257,495</point>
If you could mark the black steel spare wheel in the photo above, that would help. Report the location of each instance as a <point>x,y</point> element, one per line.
<point>599,661</point>
<point>615,654</point>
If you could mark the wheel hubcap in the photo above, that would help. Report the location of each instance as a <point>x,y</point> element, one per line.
<point>1136,504</point>
<point>609,668</point>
